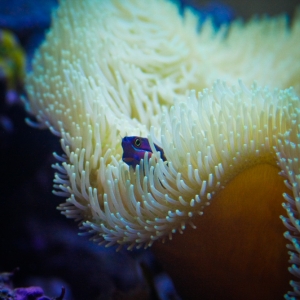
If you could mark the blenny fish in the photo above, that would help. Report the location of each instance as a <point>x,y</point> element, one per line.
<point>134,149</point>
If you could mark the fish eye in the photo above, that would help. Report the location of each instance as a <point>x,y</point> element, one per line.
<point>137,142</point>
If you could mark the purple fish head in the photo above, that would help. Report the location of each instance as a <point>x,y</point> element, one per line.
<point>134,148</point>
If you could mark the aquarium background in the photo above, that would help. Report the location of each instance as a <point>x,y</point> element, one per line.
<point>39,246</point>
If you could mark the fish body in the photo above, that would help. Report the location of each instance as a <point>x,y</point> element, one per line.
<point>134,149</point>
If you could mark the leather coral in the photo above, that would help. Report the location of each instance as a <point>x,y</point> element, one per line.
<point>115,68</point>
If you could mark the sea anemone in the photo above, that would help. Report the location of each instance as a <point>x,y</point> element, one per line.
<point>115,68</point>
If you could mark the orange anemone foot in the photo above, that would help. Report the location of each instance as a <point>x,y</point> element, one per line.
<point>238,250</point>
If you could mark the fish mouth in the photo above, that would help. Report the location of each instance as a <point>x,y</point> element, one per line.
<point>128,160</point>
